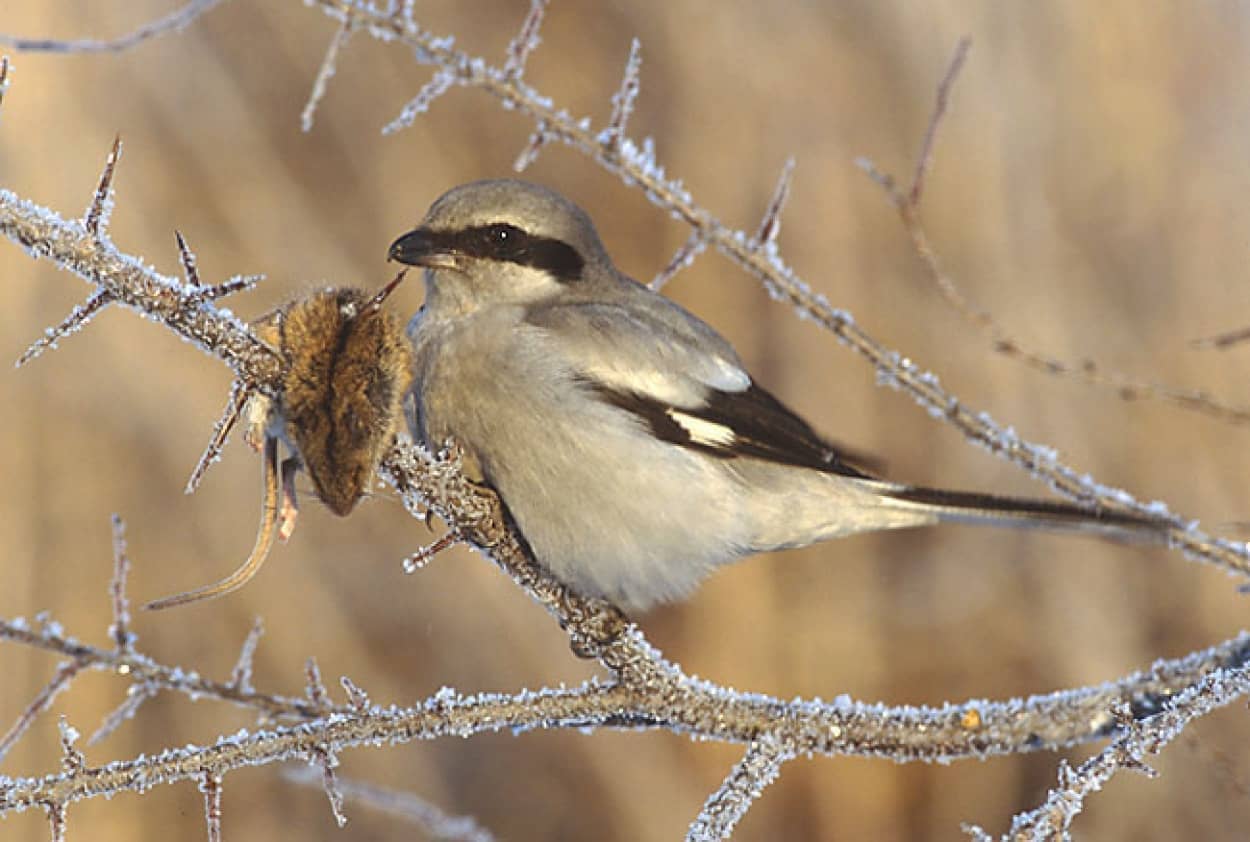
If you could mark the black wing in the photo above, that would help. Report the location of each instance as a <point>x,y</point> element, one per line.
<point>757,424</point>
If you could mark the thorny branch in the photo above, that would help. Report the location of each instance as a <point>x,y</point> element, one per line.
<point>1138,739</point>
<point>636,166</point>
<point>645,690</point>
<point>906,201</point>
<point>724,808</point>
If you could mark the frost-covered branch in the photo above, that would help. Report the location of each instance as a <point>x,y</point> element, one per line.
<point>907,202</point>
<point>175,21</point>
<point>647,691</point>
<point>644,689</point>
<point>636,165</point>
<point>724,808</point>
<point>1139,739</point>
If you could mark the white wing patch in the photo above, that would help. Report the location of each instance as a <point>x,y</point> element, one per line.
<point>701,431</point>
<point>677,388</point>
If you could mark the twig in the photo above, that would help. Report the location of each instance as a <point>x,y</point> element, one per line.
<point>646,690</point>
<point>210,785</point>
<point>1140,739</point>
<point>241,675</point>
<point>239,395</point>
<point>683,257</point>
<point>136,695</point>
<point>328,65</point>
<point>907,204</point>
<point>438,85</point>
<point>434,822</point>
<point>925,159</point>
<point>623,99</point>
<point>175,21</point>
<point>525,41</point>
<point>119,629</point>
<point>65,674</point>
<point>770,225</point>
<point>725,807</point>
<point>56,818</point>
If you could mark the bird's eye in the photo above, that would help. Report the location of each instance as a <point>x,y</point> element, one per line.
<point>502,234</point>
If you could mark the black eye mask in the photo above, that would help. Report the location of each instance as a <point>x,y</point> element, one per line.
<point>496,241</point>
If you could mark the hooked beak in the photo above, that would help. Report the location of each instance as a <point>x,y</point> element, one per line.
<point>423,247</point>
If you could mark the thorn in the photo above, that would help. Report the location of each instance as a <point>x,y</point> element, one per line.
<point>239,394</point>
<point>375,303</point>
<point>314,688</point>
<point>357,697</point>
<point>328,761</point>
<point>770,225</point>
<point>96,220</point>
<point>239,283</point>
<point>529,154</point>
<point>241,675</point>
<point>72,759</point>
<point>189,269</point>
<point>77,318</point>
<point>426,554</point>
<point>683,257</point>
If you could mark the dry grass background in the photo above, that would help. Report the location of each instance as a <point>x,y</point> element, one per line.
<point>1090,189</point>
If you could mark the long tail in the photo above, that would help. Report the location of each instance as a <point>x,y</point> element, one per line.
<point>260,550</point>
<point>1015,512</point>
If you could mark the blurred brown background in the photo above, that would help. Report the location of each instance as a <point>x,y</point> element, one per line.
<point>1090,189</point>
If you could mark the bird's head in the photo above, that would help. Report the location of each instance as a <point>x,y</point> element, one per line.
<point>502,241</point>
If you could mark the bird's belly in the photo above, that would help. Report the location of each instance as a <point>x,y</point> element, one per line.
<point>610,527</point>
<point>606,507</point>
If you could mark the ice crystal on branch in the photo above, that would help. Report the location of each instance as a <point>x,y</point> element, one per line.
<point>65,673</point>
<point>525,41</point>
<point>623,99</point>
<point>439,84</point>
<point>724,808</point>
<point>239,395</point>
<point>241,675</point>
<point>645,690</point>
<point>211,785</point>
<point>682,258</point>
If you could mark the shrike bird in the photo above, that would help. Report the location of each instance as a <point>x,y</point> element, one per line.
<point>625,437</point>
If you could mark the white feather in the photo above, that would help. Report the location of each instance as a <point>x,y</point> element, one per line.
<point>701,431</point>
